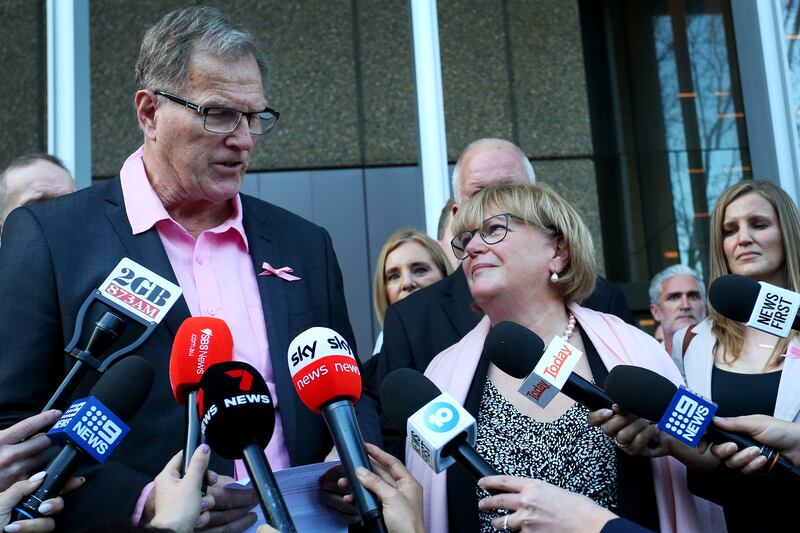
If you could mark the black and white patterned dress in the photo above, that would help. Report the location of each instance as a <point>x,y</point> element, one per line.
<point>566,452</point>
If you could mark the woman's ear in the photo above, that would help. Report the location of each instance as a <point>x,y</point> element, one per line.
<point>560,254</point>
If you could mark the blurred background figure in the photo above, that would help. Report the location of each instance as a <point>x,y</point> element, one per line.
<point>30,179</point>
<point>444,232</point>
<point>677,300</point>
<point>408,261</point>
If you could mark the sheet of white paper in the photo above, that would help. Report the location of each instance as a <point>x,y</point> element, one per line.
<point>298,486</point>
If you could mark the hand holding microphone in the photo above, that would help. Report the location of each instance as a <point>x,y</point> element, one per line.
<point>778,434</point>
<point>19,453</point>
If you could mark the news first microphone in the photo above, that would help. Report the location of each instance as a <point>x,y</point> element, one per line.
<point>759,305</point>
<point>520,353</point>
<point>200,343</point>
<point>327,378</point>
<point>441,431</point>
<point>238,419</point>
<point>92,427</point>
<point>681,413</point>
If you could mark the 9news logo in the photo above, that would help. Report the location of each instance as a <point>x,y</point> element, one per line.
<point>91,426</point>
<point>440,417</point>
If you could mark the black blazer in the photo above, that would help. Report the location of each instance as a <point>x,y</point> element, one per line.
<point>54,254</point>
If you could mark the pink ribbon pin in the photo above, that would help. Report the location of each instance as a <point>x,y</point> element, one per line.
<point>793,353</point>
<point>283,272</point>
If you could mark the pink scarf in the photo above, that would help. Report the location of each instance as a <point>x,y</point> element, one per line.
<point>617,343</point>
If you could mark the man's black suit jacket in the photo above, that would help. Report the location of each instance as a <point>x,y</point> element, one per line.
<point>54,254</point>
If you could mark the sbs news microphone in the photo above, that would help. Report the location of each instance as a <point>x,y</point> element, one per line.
<point>759,305</point>
<point>327,378</point>
<point>520,353</point>
<point>92,427</point>
<point>238,419</point>
<point>650,395</point>
<point>441,431</point>
<point>200,343</point>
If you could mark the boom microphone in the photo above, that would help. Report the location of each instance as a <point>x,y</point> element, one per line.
<point>238,420</point>
<point>441,431</point>
<point>648,395</point>
<point>760,305</point>
<point>92,427</point>
<point>327,378</point>
<point>200,343</point>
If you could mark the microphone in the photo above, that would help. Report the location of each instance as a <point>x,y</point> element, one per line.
<point>520,353</point>
<point>650,395</point>
<point>93,427</point>
<point>760,305</point>
<point>200,343</point>
<point>238,418</point>
<point>441,431</point>
<point>327,378</point>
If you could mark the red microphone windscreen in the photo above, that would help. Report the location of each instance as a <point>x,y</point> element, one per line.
<point>324,368</point>
<point>201,341</point>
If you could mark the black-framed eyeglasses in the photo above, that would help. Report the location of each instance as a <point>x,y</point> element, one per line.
<point>493,230</point>
<point>225,120</point>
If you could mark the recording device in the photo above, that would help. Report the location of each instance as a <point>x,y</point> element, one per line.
<point>440,430</point>
<point>653,397</point>
<point>200,343</point>
<point>238,419</point>
<point>132,292</point>
<point>327,378</point>
<point>759,305</point>
<point>520,353</point>
<point>92,427</point>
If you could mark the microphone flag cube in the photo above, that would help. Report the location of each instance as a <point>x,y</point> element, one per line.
<point>775,310</point>
<point>551,372</point>
<point>687,417</point>
<point>435,425</point>
<point>91,426</point>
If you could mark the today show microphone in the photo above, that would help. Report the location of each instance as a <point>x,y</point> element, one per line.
<point>238,419</point>
<point>200,343</point>
<point>681,413</point>
<point>92,427</point>
<point>441,431</point>
<point>759,305</point>
<point>520,353</point>
<point>327,378</point>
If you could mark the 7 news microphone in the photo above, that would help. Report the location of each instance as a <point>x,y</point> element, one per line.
<point>327,378</point>
<point>441,431</point>
<point>200,343</point>
<point>649,395</point>
<point>92,427</point>
<point>238,419</point>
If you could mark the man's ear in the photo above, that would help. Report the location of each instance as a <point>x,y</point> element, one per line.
<point>454,210</point>
<point>656,312</point>
<point>145,103</point>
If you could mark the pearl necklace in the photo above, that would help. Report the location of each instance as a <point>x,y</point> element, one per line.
<point>570,326</point>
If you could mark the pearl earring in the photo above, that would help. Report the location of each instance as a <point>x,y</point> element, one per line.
<point>554,277</point>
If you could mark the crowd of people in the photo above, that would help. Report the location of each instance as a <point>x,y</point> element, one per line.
<point>508,249</point>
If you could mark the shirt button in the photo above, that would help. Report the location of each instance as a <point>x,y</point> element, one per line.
<point>212,311</point>
<point>200,259</point>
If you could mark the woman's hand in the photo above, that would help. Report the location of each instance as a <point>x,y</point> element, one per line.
<point>633,435</point>
<point>778,434</point>
<point>13,495</point>
<point>178,502</point>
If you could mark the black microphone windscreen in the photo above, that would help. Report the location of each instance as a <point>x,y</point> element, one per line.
<point>125,386</point>
<point>514,349</point>
<point>404,392</point>
<point>236,408</point>
<point>640,391</point>
<point>734,296</point>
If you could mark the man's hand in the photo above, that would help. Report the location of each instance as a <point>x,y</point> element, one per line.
<point>17,458</point>
<point>333,488</point>
<point>231,510</point>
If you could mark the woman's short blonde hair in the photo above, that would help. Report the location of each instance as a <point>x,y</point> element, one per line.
<point>401,236</point>
<point>540,206</point>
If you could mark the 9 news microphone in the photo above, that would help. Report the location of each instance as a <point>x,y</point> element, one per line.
<point>441,431</point>
<point>520,353</point>
<point>92,427</point>
<point>327,378</point>
<point>238,420</point>
<point>760,305</point>
<point>200,343</point>
<point>649,395</point>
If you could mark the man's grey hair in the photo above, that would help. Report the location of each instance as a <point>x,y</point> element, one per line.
<point>526,163</point>
<point>22,162</point>
<point>167,46</point>
<point>670,272</point>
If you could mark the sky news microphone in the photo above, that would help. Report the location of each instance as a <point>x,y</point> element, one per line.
<point>238,419</point>
<point>520,353</point>
<point>681,413</point>
<point>759,305</point>
<point>441,431</point>
<point>200,343</point>
<point>92,427</point>
<point>327,378</point>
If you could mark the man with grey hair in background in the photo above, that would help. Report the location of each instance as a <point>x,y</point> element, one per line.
<point>30,179</point>
<point>677,300</point>
<point>176,210</point>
